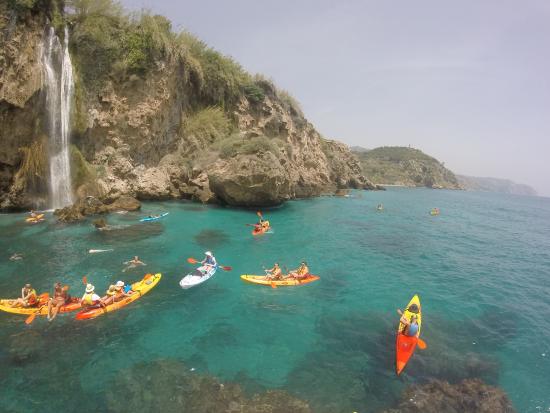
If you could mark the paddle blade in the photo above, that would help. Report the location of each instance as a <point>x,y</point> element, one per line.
<point>422,344</point>
<point>226,268</point>
<point>259,213</point>
<point>273,285</point>
<point>84,280</point>
<point>30,318</point>
<point>191,260</point>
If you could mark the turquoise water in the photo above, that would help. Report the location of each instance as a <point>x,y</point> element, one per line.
<point>481,268</point>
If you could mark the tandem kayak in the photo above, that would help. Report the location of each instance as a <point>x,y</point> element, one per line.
<point>260,279</point>
<point>139,288</point>
<point>41,309</point>
<point>405,345</point>
<point>198,276</point>
<point>148,219</point>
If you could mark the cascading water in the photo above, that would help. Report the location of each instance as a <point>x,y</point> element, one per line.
<point>59,87</point>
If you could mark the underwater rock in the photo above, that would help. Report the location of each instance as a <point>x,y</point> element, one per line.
<point>25,347</point>
<point>469,396</point>
<point>100,223</point>
<point>211,238</point>
<point>167,385</point>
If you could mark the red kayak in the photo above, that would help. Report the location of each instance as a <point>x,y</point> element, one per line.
<point>405,345</point>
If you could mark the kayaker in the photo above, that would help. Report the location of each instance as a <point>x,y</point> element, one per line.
<point>60,297</point>
<point>410,325</point>
<point>380,207</point>
<point>110,294</point>
<point>33,214</point>
<point>122,290</point>
<point>274,273</point>
<point>209,259</point>
<point>90,298</point>
<point>300,273</point>
<point>28,297</point>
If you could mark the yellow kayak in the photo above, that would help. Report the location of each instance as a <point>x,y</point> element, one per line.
<point>139,288</point>
<point>38,218</point>
<point>41,309</point>
<point>260,279</point>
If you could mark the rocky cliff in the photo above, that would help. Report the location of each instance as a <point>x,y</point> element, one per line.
<point>155,115</point>
<point>504,186</point>
<point>395,165</point>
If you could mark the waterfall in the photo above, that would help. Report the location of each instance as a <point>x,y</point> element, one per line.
<point>59,88</point>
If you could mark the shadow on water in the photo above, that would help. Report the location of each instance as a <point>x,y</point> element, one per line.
<point>211,238</point>
<point>351,368</point>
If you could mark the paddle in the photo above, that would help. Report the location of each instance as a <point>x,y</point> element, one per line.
<point>41,297</point>
<point>194,261</point>
<point>422,344</point>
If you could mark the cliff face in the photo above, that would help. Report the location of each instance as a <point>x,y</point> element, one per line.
<point>406,167</point>
<point>503,186</point>
<point>157,115</point>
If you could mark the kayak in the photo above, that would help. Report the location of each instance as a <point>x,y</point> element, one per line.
<point>148,219</point>
<point>260,279</point>
<point>260,231</point>
<point>35,220</point>
<point>139,288</point>
<point>405,345</point>
<point>198,276</point>
<point>42,309</point>
<point>434,212</point>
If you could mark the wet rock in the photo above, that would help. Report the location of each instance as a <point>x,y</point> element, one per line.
<point>94,206</point>
<point>169,386</point>
<point>100,223</point>
<point>469,396</point>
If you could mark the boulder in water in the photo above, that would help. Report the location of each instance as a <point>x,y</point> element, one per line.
<point>94,206</point>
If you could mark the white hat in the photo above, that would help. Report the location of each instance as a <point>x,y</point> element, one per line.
<point>209,253</point>
<point>89,288</point>
<point>120,283</point>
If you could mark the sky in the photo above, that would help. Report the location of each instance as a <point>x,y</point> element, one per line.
<point>467,82</point>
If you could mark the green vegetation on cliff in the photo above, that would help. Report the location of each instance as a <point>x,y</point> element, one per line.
<point>396,165</point>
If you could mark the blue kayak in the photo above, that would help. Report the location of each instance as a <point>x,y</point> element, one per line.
<point>147,219</point>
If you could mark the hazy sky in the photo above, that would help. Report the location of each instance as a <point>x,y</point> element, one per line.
<point>465,81</point>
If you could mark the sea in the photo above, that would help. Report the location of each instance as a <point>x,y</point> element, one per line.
<point>481,269</point>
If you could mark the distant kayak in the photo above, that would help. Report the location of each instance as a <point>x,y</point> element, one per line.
<point>198,276</point>
<point>434,211</point>
<point>41,309</point>
<point>405,345</point>
<point>139,289</point>
<point>260,231</point>
<point>147,219</point>
<point>260,279</point>
<point>36,219</point>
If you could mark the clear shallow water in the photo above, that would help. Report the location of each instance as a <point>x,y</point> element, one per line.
<point>481,268</point>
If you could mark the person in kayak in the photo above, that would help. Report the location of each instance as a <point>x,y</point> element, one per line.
<point>122,290</point>
<point>300,273</point>
<point>90,298</point>
<point>16,257</point>
<point>28,298</point>
<point>410,325</point>
<point>380,207</point>
<point>60,297</point>
<point>274,273</point>
<point>209,259</point>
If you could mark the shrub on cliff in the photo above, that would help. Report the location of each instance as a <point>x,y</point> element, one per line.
<point>209,124</point>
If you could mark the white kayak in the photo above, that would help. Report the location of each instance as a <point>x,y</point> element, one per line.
<point>198,276</point>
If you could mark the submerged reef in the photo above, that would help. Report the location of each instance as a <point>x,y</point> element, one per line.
<point>167,385</point>
<point>471,396</point>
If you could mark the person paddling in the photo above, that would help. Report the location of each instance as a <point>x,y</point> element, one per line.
<point>300,273</point>
<point>60,298</point>
<point>90,298</point>
<point>209,259</point>
<point>28,298</point>
<point>274,273</point>
<point>410,325</point>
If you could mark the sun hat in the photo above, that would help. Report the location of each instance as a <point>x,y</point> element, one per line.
<point>28,286</point>
<point>89,288</point>
<point>209,253</point>
<point>120,283</point>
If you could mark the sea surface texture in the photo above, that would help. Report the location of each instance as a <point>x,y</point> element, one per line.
<point>481,269</point>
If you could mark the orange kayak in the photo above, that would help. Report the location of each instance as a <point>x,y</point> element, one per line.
<point>405,345</point>
<point>260,231</point>
<point>139,289</point>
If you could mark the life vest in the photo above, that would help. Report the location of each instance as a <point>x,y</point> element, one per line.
<point>32,297</point>
<point>87,299</point>
<point>110,293</point>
